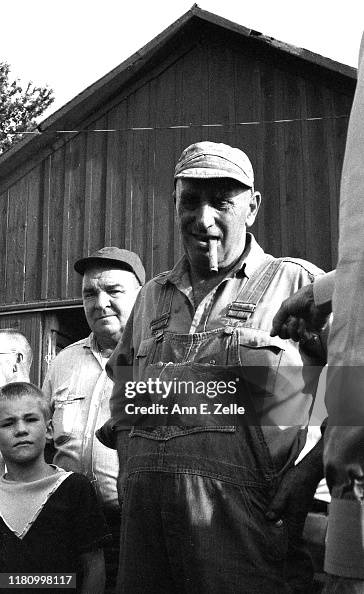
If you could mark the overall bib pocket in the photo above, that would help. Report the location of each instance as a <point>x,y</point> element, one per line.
<point>260,357</point>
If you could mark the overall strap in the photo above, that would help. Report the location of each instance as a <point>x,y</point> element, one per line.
<point>253,290</point>
<point>163,312</point>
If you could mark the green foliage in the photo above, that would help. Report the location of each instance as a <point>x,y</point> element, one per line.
<point>19,107</point>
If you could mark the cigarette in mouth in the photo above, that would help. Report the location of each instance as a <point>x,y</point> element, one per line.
<point>213,255</point>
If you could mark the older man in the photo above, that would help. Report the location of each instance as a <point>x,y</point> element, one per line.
<point>15,356</point>
<point>218,404</point>
<point>78,385</point>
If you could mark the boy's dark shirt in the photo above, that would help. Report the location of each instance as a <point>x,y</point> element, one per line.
<point>70,523</point>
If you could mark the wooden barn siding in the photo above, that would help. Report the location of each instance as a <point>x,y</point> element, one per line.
<point>115,188</point>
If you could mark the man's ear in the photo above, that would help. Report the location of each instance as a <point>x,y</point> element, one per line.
<point>49,431</point>
<point>254,204</point>
<point>18,361</point>
<point>174,196</point>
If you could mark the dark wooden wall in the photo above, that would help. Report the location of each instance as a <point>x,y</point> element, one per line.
<point>114,188</point>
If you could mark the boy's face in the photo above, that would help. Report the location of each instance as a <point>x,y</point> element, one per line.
<point>23,430</point>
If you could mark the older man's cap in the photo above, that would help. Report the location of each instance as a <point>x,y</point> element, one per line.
<point>113,256</point>
<point>211,160</point>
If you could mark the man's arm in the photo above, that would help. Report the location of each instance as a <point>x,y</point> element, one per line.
<point>93,572</point>
<point>304,313</point>
<point>120,369</point>
<point>344,453</point>
<point>344,437</point>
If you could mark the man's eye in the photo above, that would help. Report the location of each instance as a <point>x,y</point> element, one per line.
<point>6,424</point>
<point>189,202</point>
<point>221,203</point>
<point>116,292</point>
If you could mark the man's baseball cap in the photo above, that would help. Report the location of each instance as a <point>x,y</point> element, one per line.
<point>123,259</point>
<point>211,160</point>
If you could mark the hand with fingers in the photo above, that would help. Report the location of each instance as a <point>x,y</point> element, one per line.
<point>299,318</point>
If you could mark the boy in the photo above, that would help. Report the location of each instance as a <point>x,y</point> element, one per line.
<point>49,518</point>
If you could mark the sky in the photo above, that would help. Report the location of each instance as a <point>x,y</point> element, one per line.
<point>69,44</point>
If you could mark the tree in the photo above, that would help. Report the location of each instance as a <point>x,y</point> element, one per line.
<point>19,107</point>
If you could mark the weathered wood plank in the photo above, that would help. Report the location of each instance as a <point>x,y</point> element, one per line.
<point>33,256</point>
<point>317,190</point>
<point>270,165</point>
<point>95,188</point>
<point>4,214</point>
<point>45,198</point>
<point>16,242</point>
<point>55,222</point>
<point>73,214</point>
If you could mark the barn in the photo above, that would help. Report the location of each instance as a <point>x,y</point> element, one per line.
<point>99,171</point>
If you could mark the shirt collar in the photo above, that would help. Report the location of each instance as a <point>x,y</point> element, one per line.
<point>245,266</point>
<point>90,342</point>
<point>253,255</point>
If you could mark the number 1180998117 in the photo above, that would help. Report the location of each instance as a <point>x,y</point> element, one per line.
<point>40,580</point>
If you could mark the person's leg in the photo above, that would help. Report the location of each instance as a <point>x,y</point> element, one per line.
<point>111,550</point>
<point>144,564</point>
<point>218,539</point>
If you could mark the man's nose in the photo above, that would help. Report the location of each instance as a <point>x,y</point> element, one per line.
<point>102,300</point>
<point>205,216</point>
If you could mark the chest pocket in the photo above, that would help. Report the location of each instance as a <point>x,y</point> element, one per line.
<point>260,357</point>
<point>67,416</point>
<point>145,354</point>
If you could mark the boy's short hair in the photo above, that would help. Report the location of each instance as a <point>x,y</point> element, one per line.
<point>16,390</point>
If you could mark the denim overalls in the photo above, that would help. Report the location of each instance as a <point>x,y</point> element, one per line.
<point>197,488</point>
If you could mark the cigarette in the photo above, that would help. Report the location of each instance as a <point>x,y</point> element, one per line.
<point>213,255</point>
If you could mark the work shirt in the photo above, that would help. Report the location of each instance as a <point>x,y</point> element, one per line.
<point>80,389</point>
<point>262,354</point>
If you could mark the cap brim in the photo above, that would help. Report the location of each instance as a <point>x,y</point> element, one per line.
<point>210,173</point>
<point>81,265</point>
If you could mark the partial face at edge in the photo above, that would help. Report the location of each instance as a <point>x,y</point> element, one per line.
<point>214,208</point>
<point>7,360</point>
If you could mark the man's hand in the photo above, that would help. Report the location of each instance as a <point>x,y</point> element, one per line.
<point>294,495</point>
<point>299,317</point>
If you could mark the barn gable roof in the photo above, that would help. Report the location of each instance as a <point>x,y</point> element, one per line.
<point>103,90</point>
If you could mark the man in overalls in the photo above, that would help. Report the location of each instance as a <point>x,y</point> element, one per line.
<point>216,405</point>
